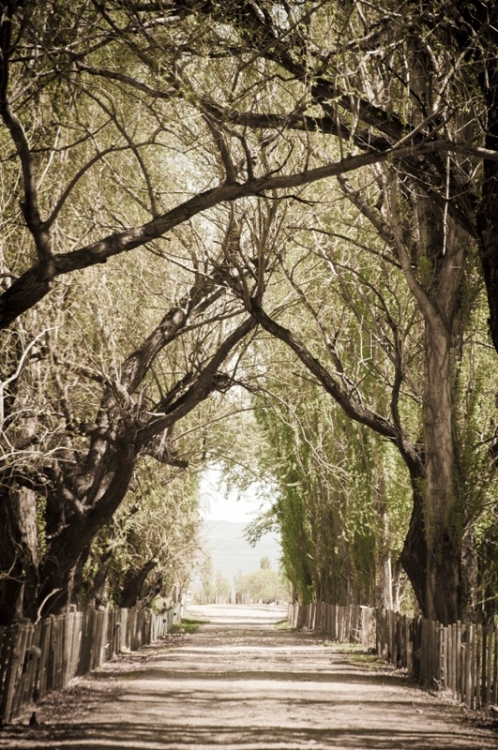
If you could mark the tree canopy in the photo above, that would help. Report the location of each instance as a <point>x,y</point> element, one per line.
<point>191,189</point>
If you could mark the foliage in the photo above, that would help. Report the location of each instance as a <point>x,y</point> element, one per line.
<point>187,626</point>
<point>265,563</point>
<point>338,511</point>
<point>168,185</point>
<point>263,585</point>
<point>206,591</point>
<point>151,543</point>
<point>223,587</point>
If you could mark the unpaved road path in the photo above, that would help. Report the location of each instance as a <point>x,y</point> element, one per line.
<point>240,683</point>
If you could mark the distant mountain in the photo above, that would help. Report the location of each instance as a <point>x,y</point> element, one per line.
<point>231,553</point>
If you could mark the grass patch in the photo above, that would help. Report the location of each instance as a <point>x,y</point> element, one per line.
<point>367,660</point>
<point>283,625</point>
<point>357,655</point>
<point>345,648</point>
<point>187,625</point>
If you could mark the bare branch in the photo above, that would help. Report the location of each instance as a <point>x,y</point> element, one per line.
<point>351,405</point>
<point>30,205</point>
<point>33,285</point>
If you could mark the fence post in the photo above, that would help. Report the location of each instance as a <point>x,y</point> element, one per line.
<point>25,693</point>
<point>13,668</point>
<point>476,667</point>
<point>494,693</point>
<point>487,635</point>
<point>450,656</point>
<point>469,658</point>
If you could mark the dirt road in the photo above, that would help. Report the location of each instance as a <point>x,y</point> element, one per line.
<point>241,683</point>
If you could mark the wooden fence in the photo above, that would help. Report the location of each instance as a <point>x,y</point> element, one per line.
<point>37,658</point>
<point>460,658</point>
<point>343,624</point>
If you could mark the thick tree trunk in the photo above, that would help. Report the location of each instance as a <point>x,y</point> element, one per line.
<point>414,553</point>
<point>61,564</point>
<point>433,552</point>
<point>19,556</point>
<point>134,583</point>
<point>487,216</point>
<point>443,520</point>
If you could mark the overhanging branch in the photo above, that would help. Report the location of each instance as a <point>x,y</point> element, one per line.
<point>351,406</point>
<point>33,285</point>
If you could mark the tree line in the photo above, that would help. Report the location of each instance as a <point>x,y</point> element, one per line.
<point>287,207</point>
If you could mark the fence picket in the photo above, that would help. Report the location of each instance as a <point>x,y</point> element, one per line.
<point>37,658</point>
<point>494,680</point>
<point>21,658</point>
<point>460,657</point>
<point>34,659</point>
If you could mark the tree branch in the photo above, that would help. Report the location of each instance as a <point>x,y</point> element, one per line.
<point>351,405</point>
<point>30,204</point>
<point>33,285</point>
<point>207,382</point>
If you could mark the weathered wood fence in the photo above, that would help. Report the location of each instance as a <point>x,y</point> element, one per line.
<point>36,658</point>
<point>350,624</point>
<point>460,658</point>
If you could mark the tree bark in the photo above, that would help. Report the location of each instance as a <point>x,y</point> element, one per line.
<point>133,584</point>
<point>487,214</point>
<point>432,551</point>
<point>442,512</point>
<point>19,556</point>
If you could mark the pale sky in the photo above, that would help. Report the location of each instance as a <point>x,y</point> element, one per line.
<point>215,506</point>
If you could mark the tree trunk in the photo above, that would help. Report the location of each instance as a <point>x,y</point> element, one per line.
<point>432,554</point>
<point>442,513</point>
<point>134,582</point>
<point>414,553</point>
<point>384,587</point>
<point>60,566</point>
<point>18,552</point>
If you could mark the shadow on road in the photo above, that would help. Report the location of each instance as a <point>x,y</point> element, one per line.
<point>242,683</point>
